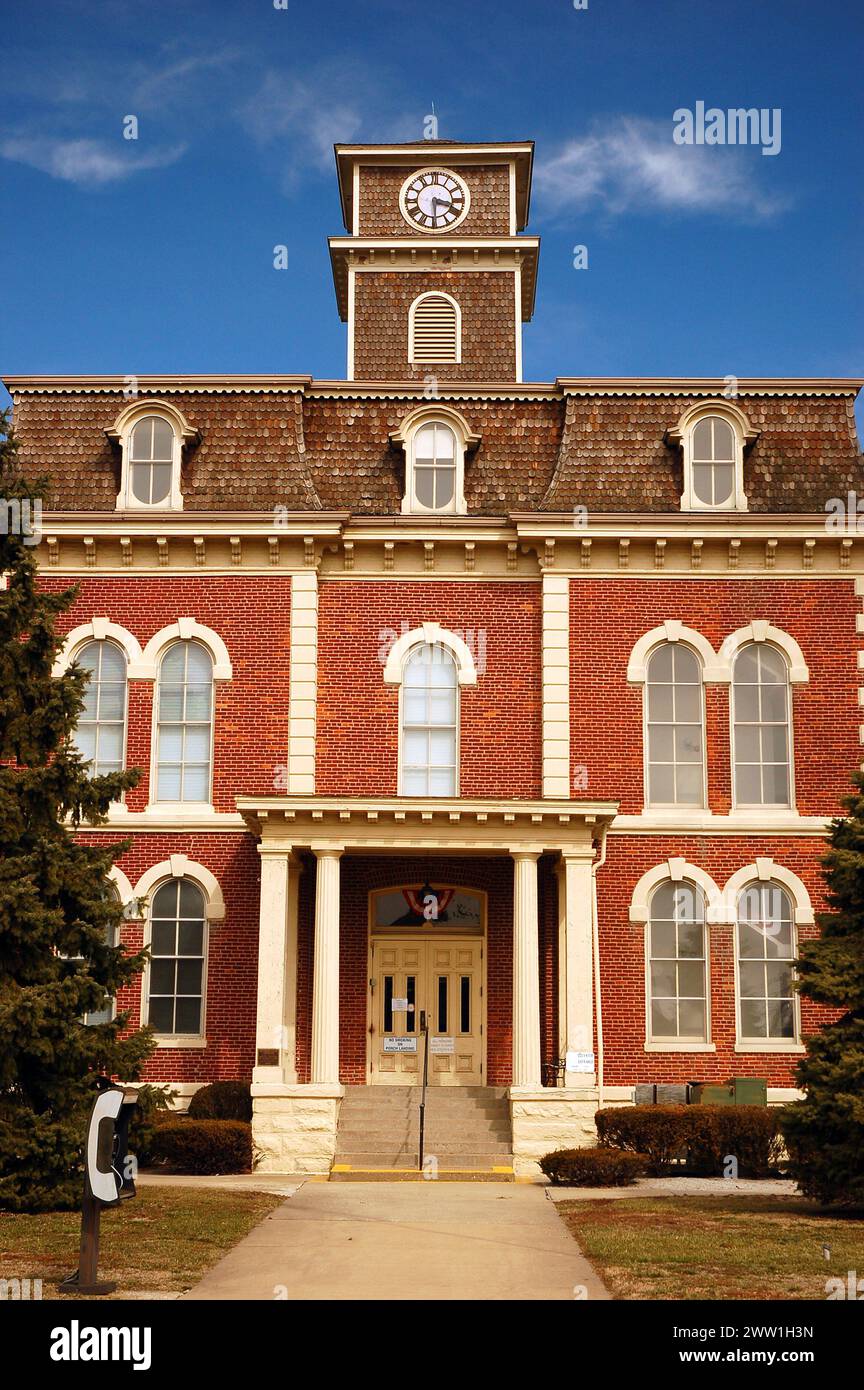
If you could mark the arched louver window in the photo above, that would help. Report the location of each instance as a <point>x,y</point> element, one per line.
<point>101,732</point>
<point>760,688</point>
<point>434,330</point>
<point>430,723</point>
<point>674,727</point>
<point>185,723</point>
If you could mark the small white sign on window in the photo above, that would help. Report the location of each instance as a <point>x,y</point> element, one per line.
<point>579,1061</point>
<point>442,1044</point>
<point>398,1005</point>
<point>400,1044</point>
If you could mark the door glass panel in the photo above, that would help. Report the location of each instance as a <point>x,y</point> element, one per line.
<point>388,1003</point>
<point>411,996</point>
<point>442,1003</point>
<point>465,1004</point>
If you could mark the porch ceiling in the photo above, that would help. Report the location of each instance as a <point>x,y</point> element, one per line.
<point>454,825</point>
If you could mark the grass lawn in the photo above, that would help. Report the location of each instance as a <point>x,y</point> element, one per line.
<point>715,1247</point>
<point>161,1242</point>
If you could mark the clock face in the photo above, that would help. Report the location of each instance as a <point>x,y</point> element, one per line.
<point>434,200</point>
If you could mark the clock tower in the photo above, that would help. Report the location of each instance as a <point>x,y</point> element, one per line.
<point>434,279</point>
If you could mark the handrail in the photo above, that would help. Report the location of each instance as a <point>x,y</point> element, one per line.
<point>424,1028</point>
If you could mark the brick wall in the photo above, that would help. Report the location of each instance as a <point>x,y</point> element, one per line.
<point>487,300</point>
<point>488,184</point>
<point>358,715</point>
<point>608,616</point>
<point>252,615</point>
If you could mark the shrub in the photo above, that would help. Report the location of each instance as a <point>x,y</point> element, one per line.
<point>205,1146</point>
<point>748,1133</point>
<point>155,1106</point>
<point>600,1167</point>
<point>657,1131</point>
<point>222,1100</point>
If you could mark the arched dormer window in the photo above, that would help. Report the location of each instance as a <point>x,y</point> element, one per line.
<point>151,436</point>
<point>435,440</point>
<point>434,329</point>
<point>713,436</point>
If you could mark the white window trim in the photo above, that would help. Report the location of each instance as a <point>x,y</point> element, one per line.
<point>435,635</point>
<point>466,439</point>
<point>191,810</point>
<point>121,432</point>
<point>443,361</point>
<point>705,1044</point>
<point>715,671</point>
<point>682,434</point>
<point>186,630</point>
<point>773,811</point>
<point>685,807</point>
<point>762,631</point>
<point>101,630</point>
<point>180,866</point>
<point>763,871</point>
<point>676,871</point>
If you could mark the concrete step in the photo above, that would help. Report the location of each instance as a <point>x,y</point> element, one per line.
<point>411,1175</point>
<point>471,1158</point>
<point>364,1144</point>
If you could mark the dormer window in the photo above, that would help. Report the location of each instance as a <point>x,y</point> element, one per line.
<point>713,437</point>
<point>151,436</point>
<point>436,440</point>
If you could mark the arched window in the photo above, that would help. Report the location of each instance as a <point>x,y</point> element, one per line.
<point>712,462</point>
<point>433,471</point>
<point>765,954</point>
<point>434,330</point>
<point>674,727</point>
<point>152,449</point>
<point>101,732</point>
<point>430,723</point>
<point>677,964</point>
<point>176,973</point>
<point>762,743</point>
<point>185,723</point>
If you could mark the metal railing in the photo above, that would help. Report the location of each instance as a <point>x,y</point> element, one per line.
<point>424,1028</point>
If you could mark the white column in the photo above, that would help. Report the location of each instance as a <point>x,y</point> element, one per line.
<point>578,965</point>
<point>526,971</point>
<point>325,981</point>
<point>276,1025</point>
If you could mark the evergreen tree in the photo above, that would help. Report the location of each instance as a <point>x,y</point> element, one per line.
<point>825,1131</point>
<point>57,911</point>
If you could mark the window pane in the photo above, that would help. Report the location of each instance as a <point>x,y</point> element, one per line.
<point>691,1018</point>
<point>702,440</point>
<point>162,939</point>
<point>663,940</point>
<point>445,486</point>
<point>142,439</point>
<point>664,1022</point>
<point>442,783</point>
<point>190,938</point>
<point>661,785</point>
<point>188,1016</point>
<point>660,703</point>
<point>162,976</point>
<point>752,979</point>
<point>191,899</point>
<point>160,481</point>
<point>689,785</point>
<point>189,976</point>
<point>775,781</point>
<point>690,939</point>
<point>661,743</point>
<point>161,1015</point>
<point>781,1018</point>
<point>663,979</point>
<point>724,483</point>
<point>424,486</point>
<point>163,440</point>
<point>748,785</point>
<point>753,1018</point>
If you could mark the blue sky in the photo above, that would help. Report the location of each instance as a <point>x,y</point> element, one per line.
<point>129,257</point>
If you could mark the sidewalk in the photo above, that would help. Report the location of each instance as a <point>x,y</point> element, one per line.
<point>412,1242</point>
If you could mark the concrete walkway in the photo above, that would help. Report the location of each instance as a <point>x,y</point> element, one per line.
<point>407,1241</point>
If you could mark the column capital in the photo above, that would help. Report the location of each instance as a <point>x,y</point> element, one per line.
<point>575,855</point>
<point>327,849</point>
<point>285,852</point>
<point>533,854</point>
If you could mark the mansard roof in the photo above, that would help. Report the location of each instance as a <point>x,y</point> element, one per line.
<point>263,442</point>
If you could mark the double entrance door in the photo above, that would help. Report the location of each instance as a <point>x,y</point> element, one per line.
<point>443,977</point>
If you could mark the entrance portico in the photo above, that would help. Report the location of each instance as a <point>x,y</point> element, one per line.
<point>295,1119</point>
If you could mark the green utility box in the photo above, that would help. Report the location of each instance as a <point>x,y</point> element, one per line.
<point>739,1090</point>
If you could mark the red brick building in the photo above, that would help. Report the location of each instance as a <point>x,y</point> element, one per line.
<point>523,705</point>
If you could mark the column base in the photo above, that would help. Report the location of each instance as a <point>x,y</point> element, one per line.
<point>294,1127</point>
<point>547,1118</point>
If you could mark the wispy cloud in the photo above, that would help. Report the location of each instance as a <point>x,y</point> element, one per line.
<point>630,164</point>
<point>85,162</point>
<point>304,117</point>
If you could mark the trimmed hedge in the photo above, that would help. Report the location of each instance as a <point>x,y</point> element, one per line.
<point>703,1137</point>
<point>222,1100</point>
<point>204,1146</point>
<point>600,1167</point>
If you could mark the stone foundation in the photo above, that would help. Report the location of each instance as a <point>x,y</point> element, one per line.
<point>547,1119</point>
<point>294,1127</point>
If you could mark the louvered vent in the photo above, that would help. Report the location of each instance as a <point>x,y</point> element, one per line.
<point>435,330</point>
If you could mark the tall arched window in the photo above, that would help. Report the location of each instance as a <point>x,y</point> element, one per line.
<point>674,727</point>
<point>185,723</point>
<point>434,467</point>
<point>152,455</point>
<point>766,951</point>
<point>430,723</point>
<point>101,732</point>
<point>175,984</point>
<point>677,964</point>
<point>713,456</point>
<point>762,743</point>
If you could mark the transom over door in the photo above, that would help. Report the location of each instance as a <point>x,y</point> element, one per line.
<point>444,977</point>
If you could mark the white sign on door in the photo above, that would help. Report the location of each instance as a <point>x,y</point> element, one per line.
<point>399,1005</point>
<point>442,1045</point>
<point>400,1044</point>
<point>579,1061</point>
